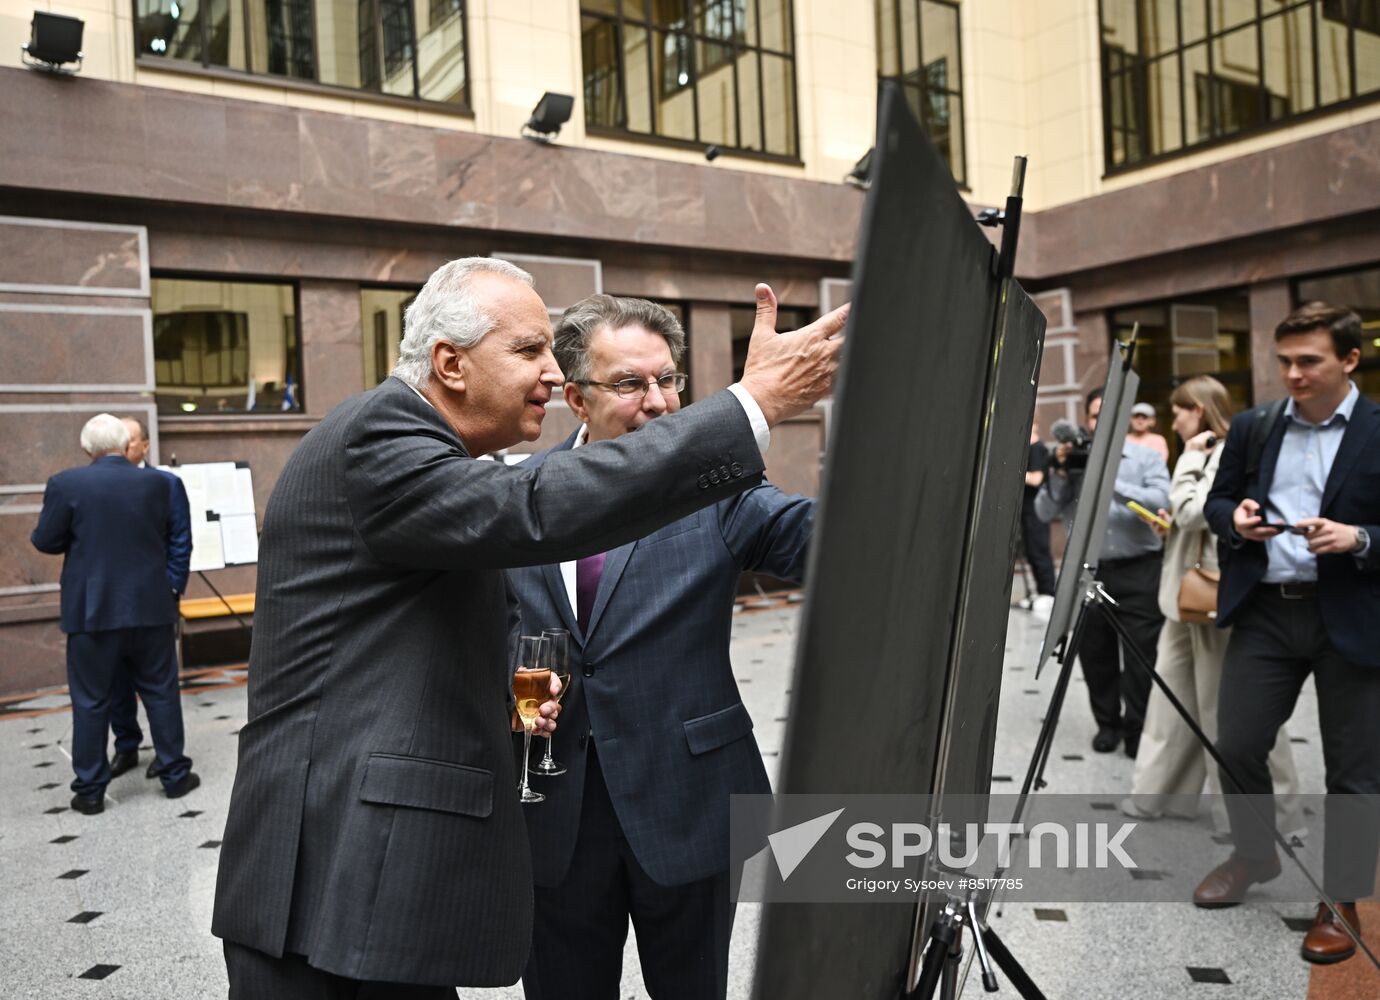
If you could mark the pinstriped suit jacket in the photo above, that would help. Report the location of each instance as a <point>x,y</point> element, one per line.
<point>374,825</point>
<point>652,686</point>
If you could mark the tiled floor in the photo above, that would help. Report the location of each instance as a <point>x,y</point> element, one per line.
<point>118,905</point>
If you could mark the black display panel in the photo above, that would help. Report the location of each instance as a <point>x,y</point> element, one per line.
<point>898,661</point>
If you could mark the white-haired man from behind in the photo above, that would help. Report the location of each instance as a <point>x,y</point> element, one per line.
<point>375,845</point>
<point>111,521</point>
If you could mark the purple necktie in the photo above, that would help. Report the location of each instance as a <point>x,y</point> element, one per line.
<point>587,572</point>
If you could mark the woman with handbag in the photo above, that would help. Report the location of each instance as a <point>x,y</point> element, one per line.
<point>1172,765</point>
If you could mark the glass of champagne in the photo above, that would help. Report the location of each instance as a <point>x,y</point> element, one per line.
<point>558,659</point>
<point>531,687</point>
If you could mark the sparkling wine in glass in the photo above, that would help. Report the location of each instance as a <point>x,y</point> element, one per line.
<point>531,687</point>
<point>558,660</point>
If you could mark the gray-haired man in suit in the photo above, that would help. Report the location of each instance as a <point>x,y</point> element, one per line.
<point>654,734</point>
<point>374,844</point>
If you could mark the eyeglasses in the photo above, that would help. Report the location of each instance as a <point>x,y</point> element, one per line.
<point>628,387</point>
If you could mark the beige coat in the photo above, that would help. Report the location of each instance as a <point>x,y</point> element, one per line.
<point>1193,476</point>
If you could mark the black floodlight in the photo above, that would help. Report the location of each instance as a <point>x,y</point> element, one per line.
<point>551,112</point>
<point>861,174</point>
<point>711,153</point>
<point>54,41</point>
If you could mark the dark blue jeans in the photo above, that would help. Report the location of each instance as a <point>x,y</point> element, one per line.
<point>96,662</point>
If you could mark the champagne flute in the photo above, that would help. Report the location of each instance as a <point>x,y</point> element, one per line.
<point>531,687</point>
<point>558,659</point>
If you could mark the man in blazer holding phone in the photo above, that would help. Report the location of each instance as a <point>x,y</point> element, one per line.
<point>1296,505</point>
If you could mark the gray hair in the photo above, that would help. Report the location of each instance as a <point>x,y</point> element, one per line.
<point>104,434</point>
<point>446,308</point>
<point>585,318</point>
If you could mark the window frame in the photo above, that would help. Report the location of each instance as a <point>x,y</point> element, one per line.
<point>1138,63</point>
<point>922,76</point>
<point>648,24</point>
<point>299,346</point>
<point>463,108</point>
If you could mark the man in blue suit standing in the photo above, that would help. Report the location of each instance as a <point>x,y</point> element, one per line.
<point>658,737</point>
<point>1296,504</point>
<point>124,711</point>
<point>111,521</point>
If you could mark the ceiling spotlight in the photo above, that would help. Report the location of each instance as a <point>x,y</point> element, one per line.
<point>711,153</point>
<point>861,174</point>
<point>54,41</point>
<point>551,112</point>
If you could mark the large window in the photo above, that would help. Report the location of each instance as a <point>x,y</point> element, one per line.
<point>1361,291</point>
<point>381,311</point>
<point>412,49</point>
<point>1179,73</point>
<point>1194,335</point>
<point>918,47</point>
<point>703,72</point>
<point>225,347</point>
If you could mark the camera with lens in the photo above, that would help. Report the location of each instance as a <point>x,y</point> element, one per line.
<point>1080,441</point>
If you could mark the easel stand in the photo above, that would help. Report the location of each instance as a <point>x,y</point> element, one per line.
<point>1094,594</point>
<point>944,954</point>
<point>228,606</point>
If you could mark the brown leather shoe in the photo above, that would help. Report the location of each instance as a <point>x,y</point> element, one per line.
<point>1326,942</point>
<point>1226,884</point>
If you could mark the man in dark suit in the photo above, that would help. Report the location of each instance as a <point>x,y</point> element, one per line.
<point>375,844</point>
<point>112,523</point>
<point>124,712</point>
<point>655,737</point>
<point>1296,504</point>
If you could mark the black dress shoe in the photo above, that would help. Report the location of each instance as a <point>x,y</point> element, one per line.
<point>1106,740</point>
<point>152,770</point>
<point>123,762</point>
<point>88,805</point>
<point>189,781</point>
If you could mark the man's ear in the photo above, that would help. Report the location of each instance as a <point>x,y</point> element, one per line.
<point>575,399</point>
<point>449,365</point>
<point>1352,359</point>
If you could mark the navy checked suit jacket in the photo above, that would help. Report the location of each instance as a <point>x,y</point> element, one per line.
<point>374,825</point>
<point>113,523</point>
<point>652,686</point>
<point>1348,595</point>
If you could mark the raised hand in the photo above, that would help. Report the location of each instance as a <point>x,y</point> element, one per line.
<point>787,373</point>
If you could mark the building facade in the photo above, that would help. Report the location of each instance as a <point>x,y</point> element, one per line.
<point>216,223</point>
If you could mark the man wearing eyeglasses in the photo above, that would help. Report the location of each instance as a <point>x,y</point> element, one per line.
<point>653,734</point>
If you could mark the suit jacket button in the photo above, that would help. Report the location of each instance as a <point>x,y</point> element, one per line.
<point>589,670</point>
<point>737,470</point>
<point>723,471</point>
<point>704,482</point>
<point>584,739</point>
<point>714,478</point>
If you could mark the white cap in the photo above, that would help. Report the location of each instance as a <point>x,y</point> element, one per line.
<point>1142,410</point>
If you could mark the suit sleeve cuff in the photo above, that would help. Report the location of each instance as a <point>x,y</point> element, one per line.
<point>756,418</point>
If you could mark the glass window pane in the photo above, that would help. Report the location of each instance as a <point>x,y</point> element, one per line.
<point>1288,41</point>
<point>610,7</point>
<point>776,24</point>
<point>939,37</point>
<point>1193,20</point>
<point>778,88</point>
<point>1159,24</point>
<point>637,104</point>
<point>749,110</point>
<point>665,13</point>
<point>225,347</point>
<point>1162,105</point>
<point>1367,47</point>
<point>603,97</point>
<point>1196,93</point>
<point>1119,25</point>
<point>1235,89</point>
<point>345,41</point>
<point>946,129</point>
<point>1334,65</point>
<point>722,20</point>
<point>281,36</point>
<point>381,310</point>
<point>169,28</point>
<point>716,100</point>
<point>225,41</point>
<point>888,55</point>
<point>675,115</point>
<point>440,49</point>
<point>1231,13</point>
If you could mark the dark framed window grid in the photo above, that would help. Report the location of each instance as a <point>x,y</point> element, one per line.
<point>693,72</point>
<point>225,346</point>
<point>399,50</point>
<point>918,46</point>
<point>1178,75</point>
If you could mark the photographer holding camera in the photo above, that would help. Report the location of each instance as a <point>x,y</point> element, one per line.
<point>1129,569</point>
